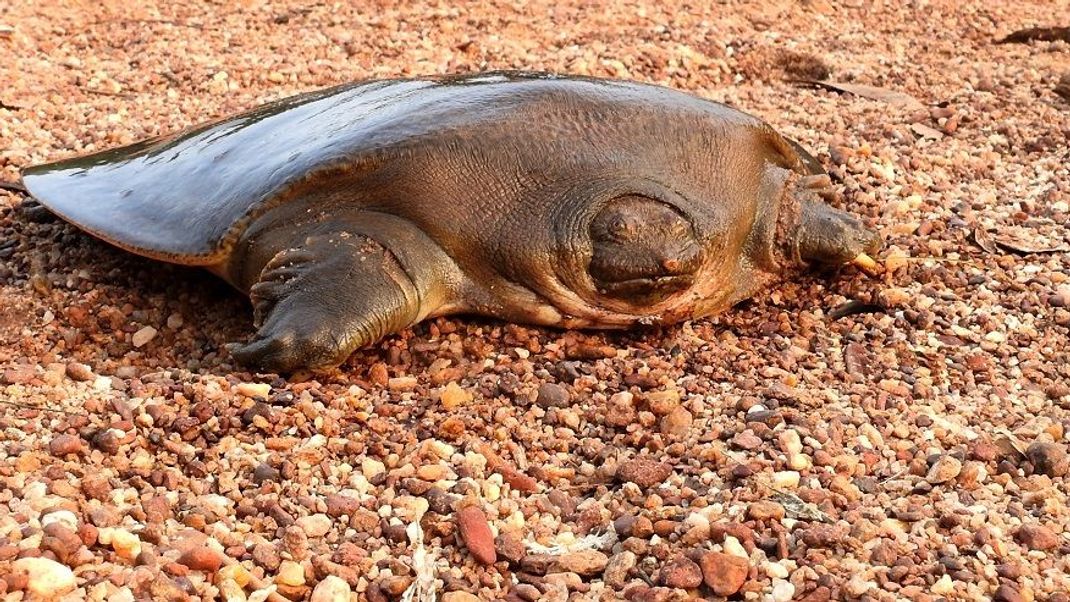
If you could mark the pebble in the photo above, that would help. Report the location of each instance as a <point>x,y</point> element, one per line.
<point>251,390</point>
<point>1007,593</point>
<point>453,396</point>
<point>202,558</point>
<point>315,525</point>
<point>583,562</point>
<point>943,586</point>
<point>747,440</point>
<point>126,544</point>
<point>229,591</point>
<point>677,423</point>
<point>143,336</point>
<point>476,534</point>
<point>1048,458</point>
<point>681,572</point>
<point>724,573</point>
<point>663,403</point>
<point>290,574</point>
<point>618,569</point>
<point>790,442</point>
<point>1037,537</point>
<point>370,467</point>
<point>552,395</point>
<point>459,597</point>
<point>644,472</point>
<point>45,578</point>
<point>79,372</point>
<point>620,411</point>
<point>786,479</point>
<point>765,510</point>
<point>339,505</point>
<point>331,589</point>
<point>783,591</point>
<point>732,546</point>
<point>945,469</point>
<point>64,444</point>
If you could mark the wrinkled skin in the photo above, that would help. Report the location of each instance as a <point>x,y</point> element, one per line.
<point>351,213</point>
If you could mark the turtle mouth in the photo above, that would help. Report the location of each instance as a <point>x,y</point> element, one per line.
<point>645,288</point>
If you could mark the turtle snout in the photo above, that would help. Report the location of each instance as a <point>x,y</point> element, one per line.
<point>833,237</point>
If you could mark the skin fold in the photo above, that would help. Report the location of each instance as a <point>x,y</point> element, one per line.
<point>351,213</point>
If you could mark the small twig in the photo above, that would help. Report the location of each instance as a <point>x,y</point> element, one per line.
<point>107,93</point>
<point>24,406</point>
<point>159,21</point>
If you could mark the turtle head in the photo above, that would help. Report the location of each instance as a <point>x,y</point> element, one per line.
<point>816,233</point>
<point>642,250</point>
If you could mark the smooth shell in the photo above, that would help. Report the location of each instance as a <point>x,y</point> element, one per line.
<point>185,198</point>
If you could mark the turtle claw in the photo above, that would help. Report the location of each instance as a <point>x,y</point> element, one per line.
<point>285,352</point>
<point>832,237</point>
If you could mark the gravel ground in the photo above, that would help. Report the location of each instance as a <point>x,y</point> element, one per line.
<point>844,437</point>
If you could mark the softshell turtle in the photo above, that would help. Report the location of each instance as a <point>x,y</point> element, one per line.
<point>353,212</point>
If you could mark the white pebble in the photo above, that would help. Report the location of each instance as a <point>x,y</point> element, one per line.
<point>776,570</point>
<point>331,589</point>
<point>45,578</point>
<point>143,336</point>
<point>733,547</point>
<point>66,517</point>
<point>783,591</point>
<point>786,479</point>
<point>943,586</point>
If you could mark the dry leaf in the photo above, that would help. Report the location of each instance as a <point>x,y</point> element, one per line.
<point>892,97</point>
<point>983,240</point>
<point>926,132</point>
<point>1014,241</point>
<point>1038,34</point>
<point>796,508</point>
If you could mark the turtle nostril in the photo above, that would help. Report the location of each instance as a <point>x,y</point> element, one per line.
<point>671,264</point>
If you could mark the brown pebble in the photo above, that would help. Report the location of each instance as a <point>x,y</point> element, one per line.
<point>157,509</point>
<point>510,547</point>
<point>339,505</point>
<point>677,423</point>
<point>585,563</point>
<point>61,540</point>
<point>1037,537</point>
<point>552,395</point>
<point>945,469</point>
<point>202,558</point>
<point>1048,458</point>
<point>644,471</point>
<point>1007,593</point>
<point>747,440</point>
<point>476,534</point>
<point>64,444</point>
<point>681,572</point>
<point>765,510</point>
<point>79,372</point>
<point>724,573</point>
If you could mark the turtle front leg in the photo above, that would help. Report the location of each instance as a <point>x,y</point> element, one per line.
<point>318,302</point>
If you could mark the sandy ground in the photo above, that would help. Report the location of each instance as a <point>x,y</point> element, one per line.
<point>913,450</point>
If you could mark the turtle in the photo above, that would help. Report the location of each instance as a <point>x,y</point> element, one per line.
<point>353,212</point>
